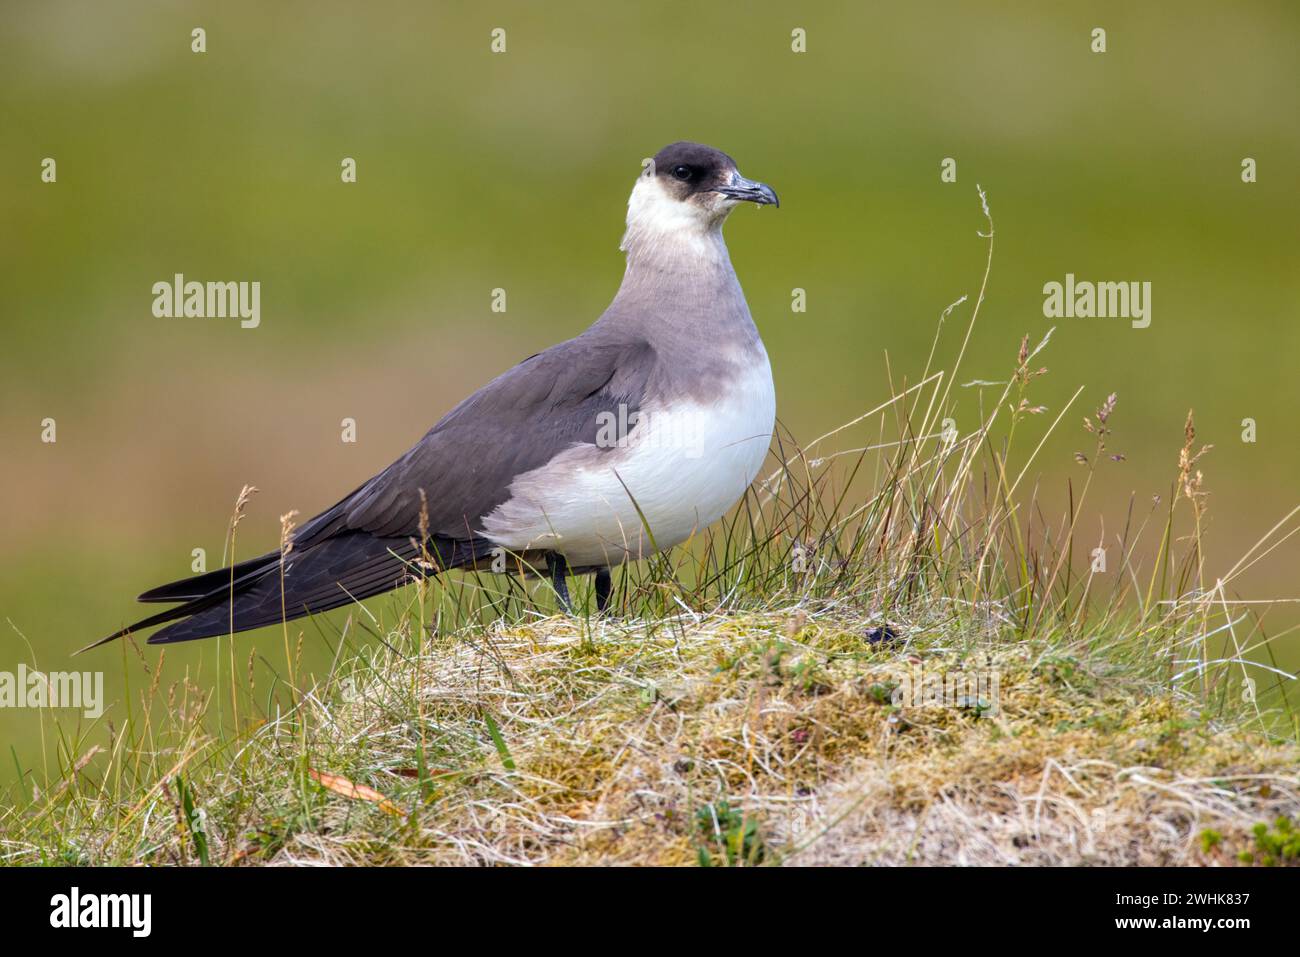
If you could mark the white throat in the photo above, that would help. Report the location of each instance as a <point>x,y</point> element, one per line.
<point>660,226</point>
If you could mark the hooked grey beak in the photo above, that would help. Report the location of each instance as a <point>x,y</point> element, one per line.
<point>748,190</point>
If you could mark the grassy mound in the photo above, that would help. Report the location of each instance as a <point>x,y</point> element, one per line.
<point>757,738</point>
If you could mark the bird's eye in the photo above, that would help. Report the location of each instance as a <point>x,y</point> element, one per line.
<point>682,172</point>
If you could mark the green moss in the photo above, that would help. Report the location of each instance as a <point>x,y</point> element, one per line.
<point>1210,839</point>
<point>1278,845</point>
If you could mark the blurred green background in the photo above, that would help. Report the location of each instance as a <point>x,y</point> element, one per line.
<point>479,170</point>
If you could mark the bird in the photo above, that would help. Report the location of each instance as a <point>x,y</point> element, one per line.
<point>606,448</point>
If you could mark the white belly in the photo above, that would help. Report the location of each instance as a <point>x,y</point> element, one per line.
<point>681,466</point>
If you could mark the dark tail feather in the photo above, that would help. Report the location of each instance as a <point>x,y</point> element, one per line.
<point>335,572</point>
<point>201,586</point>
<point>171,614</point>
<point>221,595</point>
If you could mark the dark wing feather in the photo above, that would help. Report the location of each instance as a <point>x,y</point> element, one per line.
<point>361,546</point>
<point>516,423</point>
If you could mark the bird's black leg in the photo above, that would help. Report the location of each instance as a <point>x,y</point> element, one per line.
<point>603,588</point>
<point>559,569</point>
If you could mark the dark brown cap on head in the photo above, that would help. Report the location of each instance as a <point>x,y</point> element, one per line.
<point>696,166</point>
<point>688,153</point>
